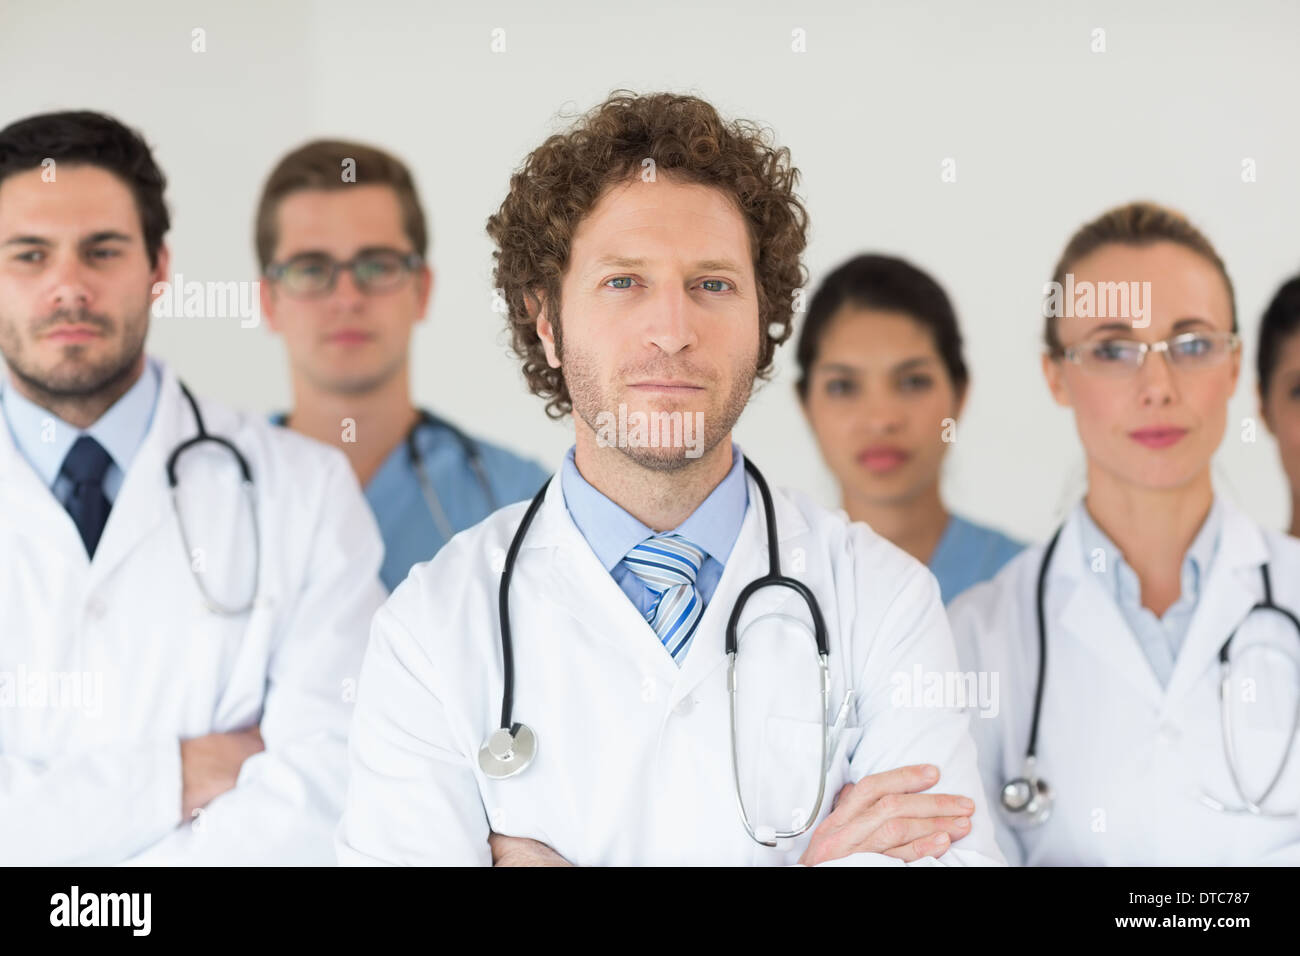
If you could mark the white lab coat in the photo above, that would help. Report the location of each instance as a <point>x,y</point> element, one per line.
<point>634,763</point>
<point>1128,759</point>
<point>130,660</point>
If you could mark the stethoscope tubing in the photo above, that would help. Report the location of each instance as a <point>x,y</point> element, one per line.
<point>249,490</point>
<point>501,762</point>
<point>1225,664</point>
<point>473,457</point>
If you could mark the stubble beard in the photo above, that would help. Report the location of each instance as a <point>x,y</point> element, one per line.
<point>589,400</point>
<point>76,380</point>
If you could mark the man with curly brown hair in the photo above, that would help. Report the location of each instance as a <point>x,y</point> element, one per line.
<point>648,257</point>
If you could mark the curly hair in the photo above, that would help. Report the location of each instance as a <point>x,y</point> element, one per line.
<point>562,180</point>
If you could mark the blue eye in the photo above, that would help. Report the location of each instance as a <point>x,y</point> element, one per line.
<point>627,279</point>
<point>1113,351</point>
<point>716,282</point>
<point>1194,347</point>
<point>840,387</point>
<point>915,383</point>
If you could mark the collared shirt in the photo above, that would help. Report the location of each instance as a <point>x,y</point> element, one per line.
<point>45,439</point>
<point>967,554</point>
<point>612,532</point>
<point>411,533</point>
<point>1160,638</point>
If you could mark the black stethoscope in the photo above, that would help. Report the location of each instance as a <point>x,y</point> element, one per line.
<point>1028,799</point>
<point>472,455</point>
<point>511,748</point>
<point>246,482</point>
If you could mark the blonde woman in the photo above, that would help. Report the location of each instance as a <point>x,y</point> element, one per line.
<point>1147,703</point>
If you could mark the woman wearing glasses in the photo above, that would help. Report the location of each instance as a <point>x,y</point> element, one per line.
<point>1146,655</point>
<point>882,381</point>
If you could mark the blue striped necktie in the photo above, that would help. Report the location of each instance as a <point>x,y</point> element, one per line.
<point>667,564</point>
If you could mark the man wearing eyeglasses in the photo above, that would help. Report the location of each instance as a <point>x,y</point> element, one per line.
<point>341,240</point>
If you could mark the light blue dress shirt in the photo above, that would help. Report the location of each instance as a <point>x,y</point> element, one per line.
<point>612,532</point>
<point>1159,637</point>
<point>45,439</point>
<point>410,533</point>
<point>967,554</point>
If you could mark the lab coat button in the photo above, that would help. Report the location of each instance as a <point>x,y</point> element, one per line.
<point>1169,733</point>
<point>684,707</point>
<point>95,609</point>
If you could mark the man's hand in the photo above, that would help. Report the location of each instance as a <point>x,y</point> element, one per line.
<point>210,765</point>
<point>520,851</point>
<point>885,813</point>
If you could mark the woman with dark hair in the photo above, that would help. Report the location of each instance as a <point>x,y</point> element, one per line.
<point>1278,367</point>
<point>882,382</point>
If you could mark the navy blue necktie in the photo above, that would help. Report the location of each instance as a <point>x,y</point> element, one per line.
<point>85,467</point>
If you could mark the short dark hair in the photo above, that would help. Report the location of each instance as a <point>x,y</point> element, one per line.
<point>1281,320</point>
<point>889,284</point>
<point>93,139</point>
<point>319,165</point>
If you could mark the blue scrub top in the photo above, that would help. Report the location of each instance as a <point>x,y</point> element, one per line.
<point>408,529</point>
<point>967,554</point>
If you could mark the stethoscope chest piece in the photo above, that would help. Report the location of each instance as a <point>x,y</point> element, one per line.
<point>507,751</point>
<point>1027,800</point>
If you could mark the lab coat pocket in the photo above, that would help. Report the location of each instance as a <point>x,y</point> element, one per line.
<point>1260,758</point>
<point>789,773</point>
<point>1258,753</point>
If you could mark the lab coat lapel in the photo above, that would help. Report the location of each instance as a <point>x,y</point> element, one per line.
<point>1090,617</point>
<point>1230,590</point>
<point>29,507</point>
<point>581,588</point>
<point>142,500</point>
<point>588,594</point>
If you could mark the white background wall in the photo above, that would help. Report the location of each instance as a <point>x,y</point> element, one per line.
<point>1045,134</point>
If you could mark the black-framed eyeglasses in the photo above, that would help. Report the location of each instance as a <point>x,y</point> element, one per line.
<point>316,273</point>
